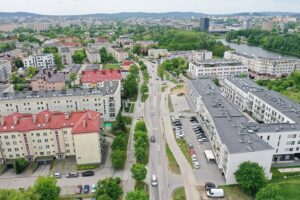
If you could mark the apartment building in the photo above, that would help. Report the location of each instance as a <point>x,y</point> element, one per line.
<point>157,53</point>
<point>216,68</point>
<point>119,54</point>
<point>5,70</point>
<point>96,77</point>
<point>66,55</point>
<point>105,99</point>
<point>44,61</point>
<point>48,80</point>
<point>278,117</point>
<point>191,55</point>
<point>93,55</point>
<point>48,135</point>
<point>265,68</point>
<point>233,139</point>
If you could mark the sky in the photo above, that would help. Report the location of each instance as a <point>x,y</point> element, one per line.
<point>73,7</point>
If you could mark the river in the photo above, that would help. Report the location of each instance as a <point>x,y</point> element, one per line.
<point>255,51</point>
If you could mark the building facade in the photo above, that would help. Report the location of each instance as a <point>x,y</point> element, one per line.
<point>105,99</point>
<point>5,70</point>
<point>93,56</point>
<point>157,53</point>
<point>216,68</point>
<point>96,77</point>
<point>204,24</point>
<point>44,61</point>
<point>265,68</point>
<point>36,137</point>
<point>48,80</point>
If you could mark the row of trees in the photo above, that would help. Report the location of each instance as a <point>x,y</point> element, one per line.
<point>288,43</point>
<point>130,84</point>
<point>141,143</point>
<point>7,46</point>
<point>175,66</point>
<point>144,87</point>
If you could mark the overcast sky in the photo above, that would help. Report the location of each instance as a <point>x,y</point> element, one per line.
<point>67,7</point>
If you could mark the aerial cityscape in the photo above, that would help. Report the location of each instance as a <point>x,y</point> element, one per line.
<point>150,100</point>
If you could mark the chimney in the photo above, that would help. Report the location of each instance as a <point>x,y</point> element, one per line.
<point>84,123</point>
<point>15,120</point>
<point>34,119</point>
<point>2,121</point>
<point>46,118</point>
<point>67,115</point>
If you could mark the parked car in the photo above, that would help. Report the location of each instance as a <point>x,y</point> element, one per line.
<point>214,192</point>
<point>56,175</point>
<point>86,189</point>
<point>72,175</point>
<point>190,146</point>
<point>203,140</point>
<point>78,189</point>
<point>152,138</point>
<point>88,173</point>
<point>209,185</point>
<point>194,159</point>
<point>154,181</point>
<point>93,188</point>
<point>196,165</point>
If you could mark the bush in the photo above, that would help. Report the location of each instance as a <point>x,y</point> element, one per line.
<point>118,158</point>
<point>20,165</point>
<point>120,142</point>
<point>87,166</point>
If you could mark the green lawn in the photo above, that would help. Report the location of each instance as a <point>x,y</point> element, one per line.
<point>179,194</point>
<point>172,163</point>
<point>170,105</point>
<point>185,150</point>
<point>111,66</point>
<point>233,192</point>
<point>292,94</point>
<point>178,86</point>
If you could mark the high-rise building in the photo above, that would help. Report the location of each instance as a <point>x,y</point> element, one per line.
<point>204,24</point>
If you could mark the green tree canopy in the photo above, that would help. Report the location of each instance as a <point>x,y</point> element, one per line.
<point>110,187</point>
<point>138,172</point>
<point>79,56</point>
<point>137,195</point>
<point>118,158</point>
<point>20,165</point>
<point>31,72</point>
<point>46,188</point>
<point>251,177</point>
<point>270,192</point>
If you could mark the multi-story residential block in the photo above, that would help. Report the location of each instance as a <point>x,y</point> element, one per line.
<point>48,80</point>
<point>157,53</point>
<point>119,54</point>
<point>278,118</point>
<point>106,100</point>
<point>190,55</point>
<point>93,55</point>
<point>216,68</point>
<point>233,139</point>
<point>96,77</point>
<point>5,70</point>
<point>146,43</point>
<point>44,61</point>
<point>265,68</point>
<point>66,55</point>
<point>48,135</point>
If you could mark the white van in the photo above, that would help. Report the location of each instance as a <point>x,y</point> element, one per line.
<point>154,181</point>
<point>214,192</point>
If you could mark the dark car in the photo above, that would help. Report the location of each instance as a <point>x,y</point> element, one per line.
<point>88,173</point>
<point>78,189</point>
<point>86,189</point>
<point>152,138</point>
<point>209,185</point>
<point>190,146</point>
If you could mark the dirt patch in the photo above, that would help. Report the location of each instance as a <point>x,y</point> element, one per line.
<point>178,89</point>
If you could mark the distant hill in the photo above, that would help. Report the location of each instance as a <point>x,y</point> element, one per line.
<point>152,15</point>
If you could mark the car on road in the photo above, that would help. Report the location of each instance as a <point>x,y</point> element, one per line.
<point>56,175</point>
<point>154,181</point>
<point>86,189</point>
<point>78,189</point>
<point>191,146</point>
<point>194,158</point>
<point>209,185</point>
<point>88,173</point>
<point>216,193</point>
<point>196,165</point>
<point>152,138</point>
<point>152,112</point>
<point>203,140</point>
<point>72,175</point>
<point>93,188</point>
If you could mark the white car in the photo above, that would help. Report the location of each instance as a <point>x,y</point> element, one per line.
<point>93,188</point>
<point>56,175</point>
<point>196,165</point>
<point>194,159</point>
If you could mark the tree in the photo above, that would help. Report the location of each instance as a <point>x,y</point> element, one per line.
<point>270,192</point>
<point>130,87</point>
<point>118,158</point>
<point>79,56</point>
<point>141,126</point>
<point>58,61</point>
<point>119,124</point>
<point>18,195</point>
<point>119,142</point>
<point>73,77</point>
<point>110,187</point>
<point>31,71</point>
<point>106,57</point>
<point>134,70</point>
<point>138,172</point>
<point>144,88</point>
<point>250,177</point>
<point>19,63</point>
<point>46,188</point>
<point>20,165</point>
<point>137,195</point>
<point>104,197</point>
<point>50,50</point>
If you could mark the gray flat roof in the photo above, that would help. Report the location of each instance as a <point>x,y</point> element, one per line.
<point>107,89</point>
<point>234,129</point>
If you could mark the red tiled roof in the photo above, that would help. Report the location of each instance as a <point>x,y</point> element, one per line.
<point>98,75</point>
<point>128,63</point>
<point>80,121</point>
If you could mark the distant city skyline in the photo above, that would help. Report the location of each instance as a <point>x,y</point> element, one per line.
<point>76,7</point>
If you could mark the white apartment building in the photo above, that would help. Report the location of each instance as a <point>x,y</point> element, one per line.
<point>93,56</point>
<point>265,68</point>
<point>45,61</point>
<point>5,70</point>
<point>191,55</point>
<point>105,99</point>
<point>157,53</point>
<point>278,117</point>
<point>119,54</point>
<point>216,68</point>
<point>66,55</point>
<point>47,135</point>
<point>233,139</point>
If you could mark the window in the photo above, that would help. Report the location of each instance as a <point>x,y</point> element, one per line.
<point>41,153</point>
<point>5,137</point>
<point>44,134</point>
<point>39,140</point>
<point>268,138</point>
<point>9,149</point>
<point>65,132</point>
<point>38,134</point>
<point>46,140</point>
<point>47,147</point>
<point>15,142</point>
<point>13,136</point>
<point>67,145</point>
<point>16,149</point>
